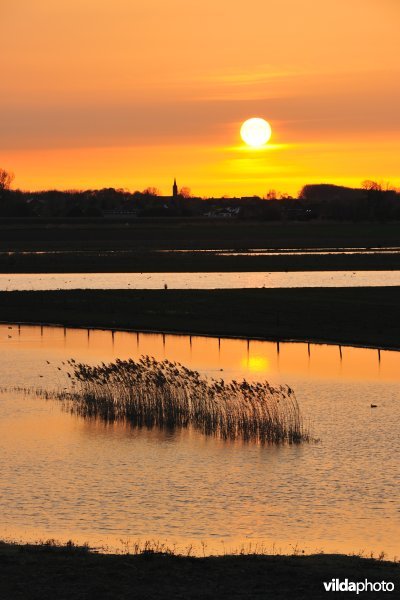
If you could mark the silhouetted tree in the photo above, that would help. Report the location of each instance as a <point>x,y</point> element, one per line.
<point>271,195</point>
<point>151,191</point>
<point>185,192</point>
<point>6,179</point>
<point>371,186</point>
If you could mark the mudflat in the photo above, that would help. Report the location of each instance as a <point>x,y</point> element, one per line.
<point>133,261</point>
<point>154,245</point>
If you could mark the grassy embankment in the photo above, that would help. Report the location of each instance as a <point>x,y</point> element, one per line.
<point>363,316</point>
<point>72,573</point>
<point>156,234</point>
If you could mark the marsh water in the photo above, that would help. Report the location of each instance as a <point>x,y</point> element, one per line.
<point>187,281</point>
<point>66,477</point>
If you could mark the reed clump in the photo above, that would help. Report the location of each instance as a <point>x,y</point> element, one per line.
<point>150,393</point>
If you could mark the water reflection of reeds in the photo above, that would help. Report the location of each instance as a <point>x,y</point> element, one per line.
<point>149,393</point>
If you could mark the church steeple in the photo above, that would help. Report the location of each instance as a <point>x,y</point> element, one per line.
<point>175,189</point>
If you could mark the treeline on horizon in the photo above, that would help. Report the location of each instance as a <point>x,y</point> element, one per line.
<point>317,201</point>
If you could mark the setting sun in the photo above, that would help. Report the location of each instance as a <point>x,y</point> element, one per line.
<point>256,132</point>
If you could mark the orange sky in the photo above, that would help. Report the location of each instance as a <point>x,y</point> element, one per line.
<point>130,93</point>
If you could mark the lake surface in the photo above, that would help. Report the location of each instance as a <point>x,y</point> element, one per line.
<point>292,251</point>
<point>66,477</point>
<point>201,281</point>
<point>228,252</point>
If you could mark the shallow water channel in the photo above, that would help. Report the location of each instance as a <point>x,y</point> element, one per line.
<point>66,477</point>
<point>201,281</point>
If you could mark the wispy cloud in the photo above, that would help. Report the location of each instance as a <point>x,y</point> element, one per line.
<point>368,108</point>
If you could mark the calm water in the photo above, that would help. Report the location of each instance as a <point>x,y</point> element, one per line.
<point>66,477</point>
<point>185,281</point>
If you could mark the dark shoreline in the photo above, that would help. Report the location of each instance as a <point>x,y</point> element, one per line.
<point>151,245</point>
<point>30,572</point>
<point>191,262</point>
<point>130,245</point>
<point>365,317</point>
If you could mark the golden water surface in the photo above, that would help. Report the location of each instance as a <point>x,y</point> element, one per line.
<point>65,477</point>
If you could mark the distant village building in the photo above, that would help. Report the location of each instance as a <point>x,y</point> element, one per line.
<point>175,190</point>
<point>223,213</point>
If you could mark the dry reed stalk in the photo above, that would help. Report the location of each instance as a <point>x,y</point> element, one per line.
<point>167,394</point>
